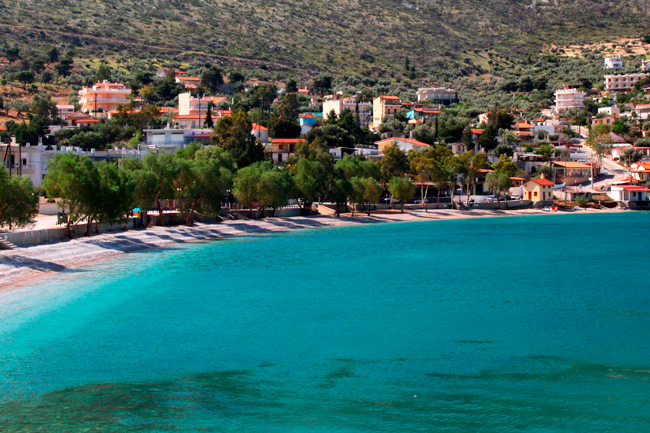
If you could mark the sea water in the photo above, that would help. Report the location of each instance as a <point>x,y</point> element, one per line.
<point>522,324</point>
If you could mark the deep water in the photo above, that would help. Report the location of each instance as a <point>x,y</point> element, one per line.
<point>523,324</point>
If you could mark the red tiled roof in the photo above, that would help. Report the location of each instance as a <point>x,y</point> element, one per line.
<point>543,182</point>
<point>257,126</point>
<point>287,140</point>
<point>78,114</point>
<point>307,116</point>
<point>477,131</point>
<point>524,125</point>
<point>406,140</point>
<point>189,78</point>
<point>218,99</point>
<point>571,164</point>
<point>632,188</point>
<point>187,116</point>
<point>87,121</point>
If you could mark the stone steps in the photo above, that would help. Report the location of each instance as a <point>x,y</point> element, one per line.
<point>6,245</point>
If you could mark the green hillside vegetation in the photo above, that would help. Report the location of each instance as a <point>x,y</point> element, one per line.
<point>442,39</point>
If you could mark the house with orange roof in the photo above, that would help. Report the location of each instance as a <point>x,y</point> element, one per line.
<point>384,106</point>
<point>79,119</point>
<point>640,170</point>
<point>260,132</point>
<point>404,144</point>
<point>524,131</point>
<point>539,191</point>
<point>283,148</point>
<point>188,80</point>
<point>103,97</point>
<point>573,172</point>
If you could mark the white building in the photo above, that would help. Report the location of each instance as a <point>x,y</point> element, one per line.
<point>349,103</point>
<point>569,97</point>
<point>191,105</point>
<point>32,160</point>
<point>439,95</point>
<point>622,83</point>
<point>615,63</point>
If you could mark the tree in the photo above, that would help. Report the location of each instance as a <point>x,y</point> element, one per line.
<point>114,196</point>
<point>276,187</point>
<point>25,77</point>
<point>12,54</point>
<point>204,176</point>
<point>292,86</point>
<point>503,149</point>
<point>497,182</point>
<point>233,134</point>
<point>208,116</point>
<point>38,66</point>
<point>164,168</point>
<point>402,188</point>
<point>545,150</point>
<point>18,201</point>
<point>73,180</point>
<point>236,77</point>
<point>339,189</point>
<point>53,55</point>
<point>505,165</point>
<point>394,163</point>
<point>631,155</point>
<point>212,78</point>
<point>246,187</point>
<point>64,67</point>
<point>310,179</point>
<point>471,164</point>
<point>103,72</point>
<point>365,190</point>
<point>44,108</point>
<point>323,84</point>
<point>545,170</point>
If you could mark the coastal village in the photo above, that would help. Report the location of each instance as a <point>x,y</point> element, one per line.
<point>280,149</point>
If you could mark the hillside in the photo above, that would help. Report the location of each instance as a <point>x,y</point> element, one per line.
<point>440,37</point>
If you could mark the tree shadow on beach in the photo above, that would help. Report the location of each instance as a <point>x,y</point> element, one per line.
<point>36,264</point>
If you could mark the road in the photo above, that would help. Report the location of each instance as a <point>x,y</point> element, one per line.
<point>614,171</point>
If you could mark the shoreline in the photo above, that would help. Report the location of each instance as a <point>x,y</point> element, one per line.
<point>24,264</point>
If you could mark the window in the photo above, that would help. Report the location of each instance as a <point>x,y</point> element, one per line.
<point>535,194</point>
<point>281,146</point>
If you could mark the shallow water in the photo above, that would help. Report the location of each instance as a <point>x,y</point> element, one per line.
<point>535,324</point>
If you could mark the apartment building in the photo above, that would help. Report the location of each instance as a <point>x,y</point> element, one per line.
<point>188,104</point>
<point>341,104</point>
<point>438,95</point>
<point>384,106</point>
<point>615,63</point>
<point>622,83</point>
<point>569,97</point>
<point>103,97</point>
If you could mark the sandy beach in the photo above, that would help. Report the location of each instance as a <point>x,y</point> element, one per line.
<point>22,264</point>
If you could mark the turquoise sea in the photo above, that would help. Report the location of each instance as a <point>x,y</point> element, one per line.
<point>522,324</point>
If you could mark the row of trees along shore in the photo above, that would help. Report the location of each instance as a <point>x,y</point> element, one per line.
<point>198,179</point>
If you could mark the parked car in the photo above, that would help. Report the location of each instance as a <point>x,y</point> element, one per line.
<point>419,201</point>
<point>515,197</point>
